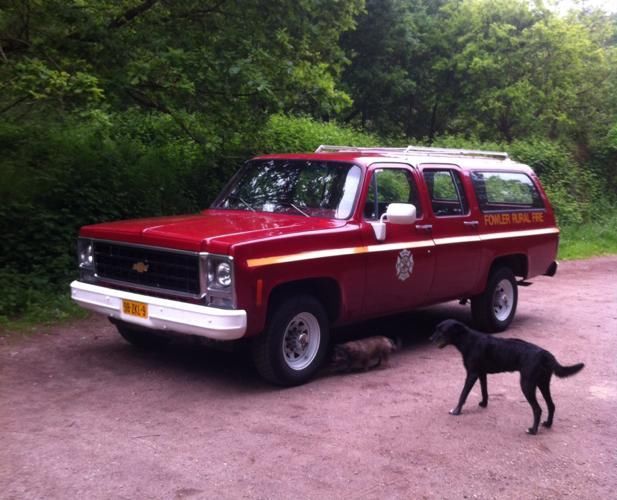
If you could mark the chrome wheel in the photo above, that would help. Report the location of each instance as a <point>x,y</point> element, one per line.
<point>503,299</point>
<point>295,343</point>
<point>494,308</point>
<point>301,341</point>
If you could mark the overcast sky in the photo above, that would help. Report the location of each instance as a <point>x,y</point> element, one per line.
<point>607,5</point>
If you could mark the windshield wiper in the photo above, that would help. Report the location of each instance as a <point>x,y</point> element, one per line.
<point>290,204</point>
<point>241,200</point>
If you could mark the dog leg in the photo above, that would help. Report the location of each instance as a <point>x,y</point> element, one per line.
<point>469,381</point>
<point>529,390</point>
<point>545,389</point>
<point>484,401</point>
<point>385,360</point>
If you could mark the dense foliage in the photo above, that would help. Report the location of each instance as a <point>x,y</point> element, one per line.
<point>123,108</point>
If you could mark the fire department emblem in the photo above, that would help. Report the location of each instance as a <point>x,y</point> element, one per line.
<point>404,265</point>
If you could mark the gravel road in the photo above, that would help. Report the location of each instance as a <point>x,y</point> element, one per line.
<point>85,415</point>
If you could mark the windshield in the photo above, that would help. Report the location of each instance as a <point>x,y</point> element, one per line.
<point>301,187</point>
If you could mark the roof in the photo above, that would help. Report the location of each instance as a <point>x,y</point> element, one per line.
<point>414,155</point>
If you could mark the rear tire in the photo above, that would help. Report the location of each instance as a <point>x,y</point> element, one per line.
<point>294,345</point>
<point>493,310</point>
<point>142,338</point>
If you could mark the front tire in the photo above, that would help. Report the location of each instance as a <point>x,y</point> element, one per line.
<point>493,310</point>
<point>295,342</point>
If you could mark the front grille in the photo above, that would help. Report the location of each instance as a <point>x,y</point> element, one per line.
<point>165,270</point>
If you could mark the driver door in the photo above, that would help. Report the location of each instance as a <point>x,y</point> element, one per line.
<point>399,269</point>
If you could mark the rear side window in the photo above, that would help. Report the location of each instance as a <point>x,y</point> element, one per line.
<point>446,192</point>
<point>505,191</point>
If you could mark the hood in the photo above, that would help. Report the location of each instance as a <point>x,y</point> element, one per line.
<point>210,231</point>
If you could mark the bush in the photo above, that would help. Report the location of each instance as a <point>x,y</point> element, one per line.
<point>574,189</point>
<point>283,134</point>
<point>61,176</point>
<point>58,177</point>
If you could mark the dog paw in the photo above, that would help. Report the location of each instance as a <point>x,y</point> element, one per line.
<point>483,404</point>
<point>532,431</point>
<point>455,411</point>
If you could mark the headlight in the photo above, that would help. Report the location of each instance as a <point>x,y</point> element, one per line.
<point>223,274</point>
<point>85,254</point>
<point>85,259</point>
<point>220,281</point>
<point>220,272</point>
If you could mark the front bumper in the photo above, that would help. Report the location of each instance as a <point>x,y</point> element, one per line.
<point>163,314</point>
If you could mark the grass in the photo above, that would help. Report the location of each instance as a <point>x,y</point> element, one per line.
<point>590,239</point>
<point>49,308</point>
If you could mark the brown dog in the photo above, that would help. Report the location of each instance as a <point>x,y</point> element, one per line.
<point>362,354</point>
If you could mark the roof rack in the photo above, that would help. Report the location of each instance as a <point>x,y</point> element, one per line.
<point>457,152</point>
<point>324,148</point>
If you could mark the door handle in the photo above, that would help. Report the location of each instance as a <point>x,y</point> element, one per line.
<point>427,228</point>
<point>471,223</point>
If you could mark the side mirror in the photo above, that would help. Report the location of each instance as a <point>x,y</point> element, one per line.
<point>400,213</point>
<point>396,213</point>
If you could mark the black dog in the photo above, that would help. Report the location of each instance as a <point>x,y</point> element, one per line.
<point>484,354</point>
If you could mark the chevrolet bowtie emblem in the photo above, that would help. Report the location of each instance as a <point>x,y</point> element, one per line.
<point>140,267</point>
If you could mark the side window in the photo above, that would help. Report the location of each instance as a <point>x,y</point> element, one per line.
<point>505,191</point>
<point>446,191</point>
<point>390,185</point>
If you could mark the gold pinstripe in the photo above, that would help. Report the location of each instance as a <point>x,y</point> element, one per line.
<point>389,247</point>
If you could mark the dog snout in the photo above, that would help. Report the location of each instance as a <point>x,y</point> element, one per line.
<point>439,338</point>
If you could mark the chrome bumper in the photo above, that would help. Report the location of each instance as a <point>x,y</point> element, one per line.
<point>163,314</point>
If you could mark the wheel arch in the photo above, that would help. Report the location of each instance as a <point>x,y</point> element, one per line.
<point>518,263</point>
<point>326,290</point>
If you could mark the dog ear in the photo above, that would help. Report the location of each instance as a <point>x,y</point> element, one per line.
<point>459,327</point>
<point>452,326</point>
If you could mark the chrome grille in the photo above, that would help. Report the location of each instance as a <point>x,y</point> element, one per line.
<point>165,270</point>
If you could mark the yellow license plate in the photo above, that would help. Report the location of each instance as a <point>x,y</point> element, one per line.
<point>135,308</point>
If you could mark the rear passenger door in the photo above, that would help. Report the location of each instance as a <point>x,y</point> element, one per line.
<point>453,226</point>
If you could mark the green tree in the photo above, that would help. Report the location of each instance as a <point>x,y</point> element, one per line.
<point>499,70</point>
<point>390,77</point>
<point>216,66</point>
<point>519,70</point>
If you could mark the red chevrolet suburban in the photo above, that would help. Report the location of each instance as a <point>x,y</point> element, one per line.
<point>297,243</point>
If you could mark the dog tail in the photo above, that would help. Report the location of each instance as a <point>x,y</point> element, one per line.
<point>566,371</point>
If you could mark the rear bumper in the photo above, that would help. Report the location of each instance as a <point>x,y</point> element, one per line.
<point>552,269</point>
<point>163,314</point>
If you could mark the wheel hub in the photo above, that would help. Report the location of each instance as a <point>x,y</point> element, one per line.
<point>503,300</point>
<point>301,341</point>
<point>296,340</point>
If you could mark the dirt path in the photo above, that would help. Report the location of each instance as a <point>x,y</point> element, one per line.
<point>85,415</point>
